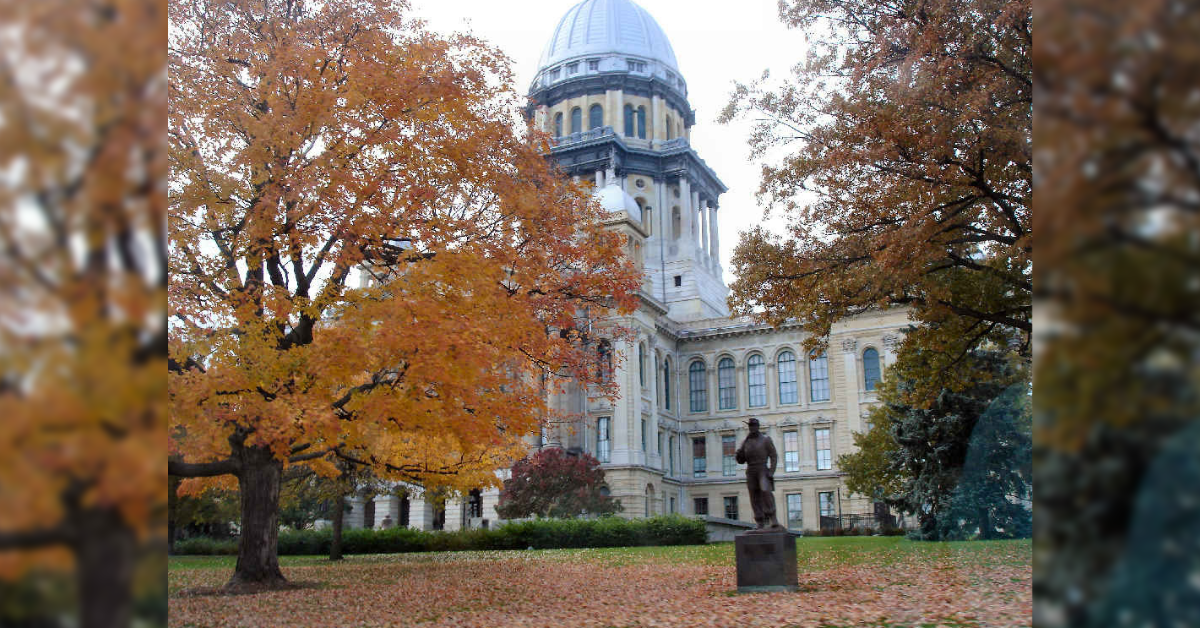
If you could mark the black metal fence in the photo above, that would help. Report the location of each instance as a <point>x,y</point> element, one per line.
<point>874,522</point>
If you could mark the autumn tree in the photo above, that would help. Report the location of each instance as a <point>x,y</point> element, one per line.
<point>1118,308</point>
<point>82,295</point>
<point>555,483</point>
<point>369,257</point>
<point>903,163</point>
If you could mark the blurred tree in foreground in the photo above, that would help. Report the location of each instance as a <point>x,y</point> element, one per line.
<point>1118,289</point>
<point>553,483</point>
<point>907,177</point>
<point>83,275</point>
<point>313,142</point>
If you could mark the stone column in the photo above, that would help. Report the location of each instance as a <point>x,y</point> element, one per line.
<point>387,506</point>
<point>623,432</point>
<point>599,179</point>
<point>686,217</point>
<point>695,210</point>
<point>354,518</point>
<point>704,226</point>
<point>656,127</point>
<point>714,246</point>
<point>890,342</point>
<point>850,363</point>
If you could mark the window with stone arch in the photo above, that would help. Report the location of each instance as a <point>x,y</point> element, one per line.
<point>604,360</point>
<point>871,374</point>
<point>818,376</point>
<point>670,128</point>
<point>558,121</point>
<point>697,387</point>
<point>756,381</point>
<point>642,364</point>
<point>667,383</point>
<point>629,121</point>
<point>595,117</point>
<point>641,123</point>
<point>726,387</point>
<point>576,120</point>
<point>789,386</point>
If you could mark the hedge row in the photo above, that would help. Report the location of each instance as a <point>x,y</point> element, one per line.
<point>538,534</point>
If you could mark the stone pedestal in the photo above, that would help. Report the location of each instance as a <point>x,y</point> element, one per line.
<point>766,562</point>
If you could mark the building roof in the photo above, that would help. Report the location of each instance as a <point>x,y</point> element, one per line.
<point>603,27</point>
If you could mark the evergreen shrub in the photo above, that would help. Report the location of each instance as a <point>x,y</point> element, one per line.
<point>537,533</point>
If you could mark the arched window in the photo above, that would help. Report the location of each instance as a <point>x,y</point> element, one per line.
<point>676,223</point>
<point>756,378</point>
<point>642,364</point>
<point>726,389</point>
<point>818,377</point>
<point>670,128</point>
<point>595,117</point>
<point>576,120</point>
<point>648,219</point>
<point>667,383</point>
<point>870,368</point>
<point>641,122</point>
<point>788,387</point>
<point>629,126</point>
<point>604,361</point>
<point>698,388</point>
<point>558,124</point>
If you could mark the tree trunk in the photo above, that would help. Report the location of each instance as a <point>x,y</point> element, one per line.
<point>259,479</point>
<point>339,518</point>
<point>106,551</point>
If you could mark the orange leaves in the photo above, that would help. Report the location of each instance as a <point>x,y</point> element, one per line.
<point>306,150</point>
<point>843,582</point>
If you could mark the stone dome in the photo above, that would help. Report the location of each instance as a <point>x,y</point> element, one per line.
<point>613,199</point>
<point>608,27</point>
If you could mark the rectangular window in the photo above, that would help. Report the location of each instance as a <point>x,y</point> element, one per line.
<point>791,452</point>
<point>731,507</point>
<point>826,502</point>
<point>662,445</point>
<point>572,68</point>
<point>795,515</point>
<point>824,457</point>
<point>678,280</point>
<point>728,450</point>
<point>554,74</point>
<point>593,65</point>
<point>818,369</point>
<point>700,505</point>
<point>602,439</point>
<point>645,436</point>
<point>699,458</point>
<point>671,453</point>
<point>672,511</point>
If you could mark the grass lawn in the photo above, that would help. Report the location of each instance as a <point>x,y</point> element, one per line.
<point>882,582</point>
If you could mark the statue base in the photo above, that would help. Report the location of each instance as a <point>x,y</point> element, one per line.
<point>766,561</point>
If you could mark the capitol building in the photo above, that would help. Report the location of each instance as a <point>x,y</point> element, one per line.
<point>610,91</point>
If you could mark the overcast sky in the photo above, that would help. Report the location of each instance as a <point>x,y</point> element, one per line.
<point>715,43</point>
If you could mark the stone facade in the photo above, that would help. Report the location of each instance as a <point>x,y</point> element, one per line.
<point>669,213</point>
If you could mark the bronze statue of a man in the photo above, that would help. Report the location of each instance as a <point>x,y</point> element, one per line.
<point>757,452</point>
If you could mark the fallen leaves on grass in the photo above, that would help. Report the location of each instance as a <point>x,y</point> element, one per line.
<point>934,585</point>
